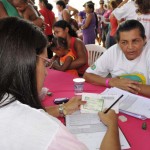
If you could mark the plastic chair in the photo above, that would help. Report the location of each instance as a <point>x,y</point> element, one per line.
<point>94,52</point>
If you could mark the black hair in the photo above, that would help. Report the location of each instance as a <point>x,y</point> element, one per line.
<point>118,2</point>
<point>61,3</point>
<point>19,46</point>
<point>128,26</point>
<point>143,6</point>
<point>58,42</point>
<point>48,5</point>
<point>86,3</point>
<point>113,4</point>
<point>64,24</point>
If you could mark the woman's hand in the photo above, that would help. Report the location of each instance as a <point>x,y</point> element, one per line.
<point>73,105</point>
<point>125,84</point>
<point>109,119</point>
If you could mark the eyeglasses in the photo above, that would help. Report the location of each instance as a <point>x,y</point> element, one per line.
<point>48,62</point>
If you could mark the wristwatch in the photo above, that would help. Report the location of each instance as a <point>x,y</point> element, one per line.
<point>62,110</point>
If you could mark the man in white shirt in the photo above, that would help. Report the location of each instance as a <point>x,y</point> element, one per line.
<point>127,62</point>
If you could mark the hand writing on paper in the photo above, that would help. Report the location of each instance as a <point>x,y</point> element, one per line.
<point>73,105</point>
<point>125,84</point>
<point>109,118</point>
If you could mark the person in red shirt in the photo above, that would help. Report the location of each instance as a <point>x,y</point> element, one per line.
<point>49,19</point>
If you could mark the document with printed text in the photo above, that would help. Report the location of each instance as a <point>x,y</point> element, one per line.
<point>88,128</point>
<point>132,103</point>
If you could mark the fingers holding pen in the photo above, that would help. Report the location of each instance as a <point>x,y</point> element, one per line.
<point>109,118</point>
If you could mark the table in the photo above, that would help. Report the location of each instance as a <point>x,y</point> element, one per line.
<point>61,85</point>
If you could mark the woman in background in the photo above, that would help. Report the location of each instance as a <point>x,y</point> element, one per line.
<point>49,19</point>
<point>90,24</point>
<point>100,11</point>
<point>64,30</point>
<point>64,56</point>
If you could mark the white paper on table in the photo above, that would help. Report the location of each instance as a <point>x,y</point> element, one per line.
<point>132,103</point>
<point>98,102</point>
<point>90,130</point>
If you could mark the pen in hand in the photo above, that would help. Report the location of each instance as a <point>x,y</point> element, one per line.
<point>113,104</point>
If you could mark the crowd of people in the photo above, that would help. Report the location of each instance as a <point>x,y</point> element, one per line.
<point>28,39</point>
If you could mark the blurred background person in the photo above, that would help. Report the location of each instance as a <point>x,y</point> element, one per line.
<point>90,24</point>
<point>49,19</point>
<point>64,56</point>
<point>100,11</point>
<point>63,13</point>
<point>20,8</point>
<point>126,11</point>
<point>113,26</point>
<point>144,15</point>
<point>73,11</point>
<point>63,29</point>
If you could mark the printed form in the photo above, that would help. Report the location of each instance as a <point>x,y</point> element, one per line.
<point>90,130</point>
<point>135,105</point>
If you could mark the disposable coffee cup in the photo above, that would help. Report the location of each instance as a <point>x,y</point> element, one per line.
<point>78,85</point>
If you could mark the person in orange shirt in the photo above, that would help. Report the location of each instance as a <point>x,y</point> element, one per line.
<point>64,56</point>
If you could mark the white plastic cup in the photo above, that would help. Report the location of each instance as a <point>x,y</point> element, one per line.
<point>78,85</point>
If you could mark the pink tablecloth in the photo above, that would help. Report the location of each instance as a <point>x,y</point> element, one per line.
<point>61,85</point>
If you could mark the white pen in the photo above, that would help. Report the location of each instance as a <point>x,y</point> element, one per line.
<point>133,114</point>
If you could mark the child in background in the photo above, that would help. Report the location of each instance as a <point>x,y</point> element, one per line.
<point>27,11</point>
<point>63,57</point>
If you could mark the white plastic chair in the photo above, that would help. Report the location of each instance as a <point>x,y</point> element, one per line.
<point>94,52</point>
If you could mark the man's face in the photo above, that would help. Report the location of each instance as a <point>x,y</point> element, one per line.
<point>131,43</point>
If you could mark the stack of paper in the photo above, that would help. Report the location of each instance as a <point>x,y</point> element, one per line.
<point>131,104</point>
<point>88,128</point>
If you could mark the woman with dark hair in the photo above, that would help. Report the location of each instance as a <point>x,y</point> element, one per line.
<point>24,123</point>
<point>64,30</point>
<point>144,15</point>
<point>73,11</point>
<point>63,13</point>
<point>49,19</point>
<point>89,24</point>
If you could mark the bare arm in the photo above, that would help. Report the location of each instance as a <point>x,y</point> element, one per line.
<point>94,79</point>
<point>71,106</point>
<point>3,12</point>
<point>122,83</point>
<point>111,138</point>
<point>87,21</point>
<point>31,15</point>
<point>144,90</point>
<point>73,10</point>
<point>65,66</point>
<point>81,55</point>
